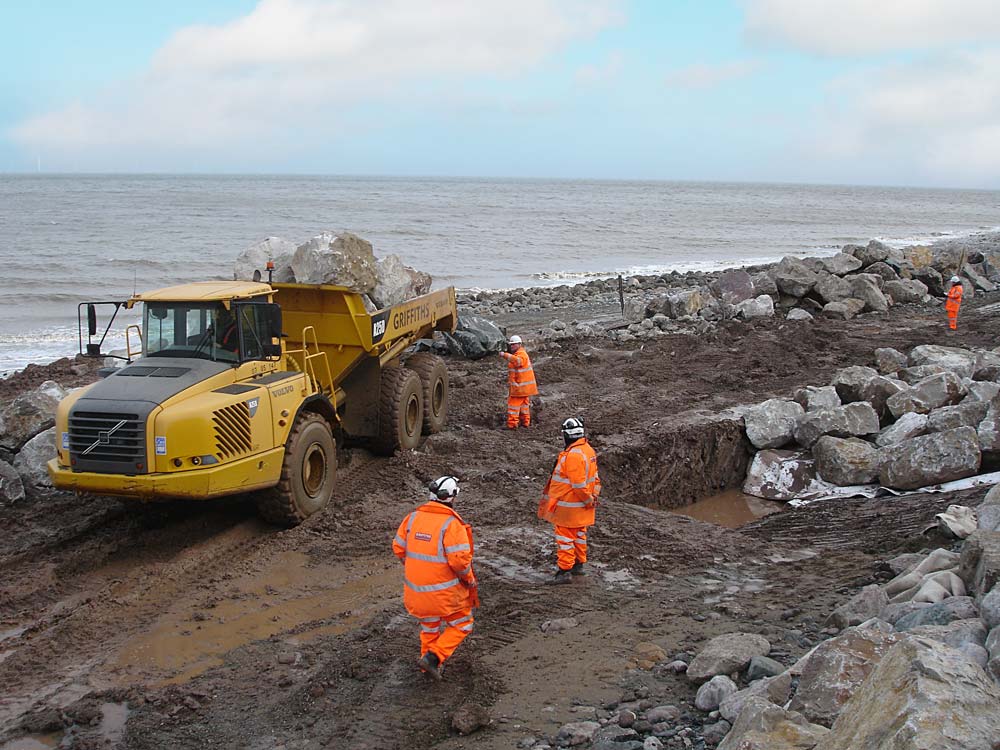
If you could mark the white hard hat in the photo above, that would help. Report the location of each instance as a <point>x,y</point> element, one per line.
<point>573,428</point>
<point>444,488</point>
<point>514,340</point>
<point>955,280</point>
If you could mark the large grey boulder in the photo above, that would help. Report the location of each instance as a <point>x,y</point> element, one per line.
<point>989,608</point>
<point>576,733</point>
<point>873,252</point>
<point>398,282</point>
<point>475,337</point>
<point>989,429</point>
<point>845,309</point>
<point>345,260</point>
<point>725,654</point>
<point>982,392</point>
<point>256,257</point>
<point>959,361</point>
<point>955,634</point>
<point>993,652</point>
<point>678,304</point>
<point>777,690</point>
<point>870,602</point>
<point>865,287</point>
<point>909,425</point>
<point>797,313</point>
<point>761,725</point>
<point>763,283</point>
<point>813,397</point>
<point>979,565</point>
<point>922,696</point>
<point>851,382</point>
<point>832,288</point>
<point>966,414</point>
<point>837,668</point>
<point>32,461</point>
<point>29,414</point>
<point>931,459</point>
<point>853,420</point>
<point>771,423</point>
<point>733,285</point>
<point>779,475</point>
<point>713,692</point>
<point>932,279</point>
<point>988,511</point>
<point>758,307</point>
<point>928,394</point>
<point>889,360</point>
<point>846,462</point>
<point>944,612</point>
<point>11,486</point>
<point>840,264</point>
<point>883,270</point>
<point>793,277</point>
<point>917,373</point>
<point>905,291</point>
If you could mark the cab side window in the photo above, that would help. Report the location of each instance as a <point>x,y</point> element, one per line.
<point>253,331</point>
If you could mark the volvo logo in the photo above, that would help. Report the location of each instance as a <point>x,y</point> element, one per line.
<point>104,438</point>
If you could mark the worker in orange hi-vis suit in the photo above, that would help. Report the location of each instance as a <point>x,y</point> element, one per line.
<point>521,384</point>
<point>954,302</point>
<point>570,499</point>
<point>440,588</point>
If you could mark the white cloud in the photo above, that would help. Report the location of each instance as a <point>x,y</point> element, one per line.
<point>703,76</point>
<point>938,118</point>
<point>295,65</point>
<point>860,27</point>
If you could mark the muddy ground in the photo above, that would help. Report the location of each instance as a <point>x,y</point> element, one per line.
<point>190,625</point>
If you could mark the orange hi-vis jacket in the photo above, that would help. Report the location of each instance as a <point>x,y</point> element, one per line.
<point>520,375</point>
<point>954,300</point>
<point>435,546</point>
<point>570,496</point>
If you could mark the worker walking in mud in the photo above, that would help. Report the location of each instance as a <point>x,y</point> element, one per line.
<point>521,384</point>
<point>569,500</point>
<point>440,587</point>
<point>954,302</point>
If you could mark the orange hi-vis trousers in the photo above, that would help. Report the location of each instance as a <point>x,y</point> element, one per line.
<point>442,635</point>
<point>953,319</point>
<point>518,408</point>
<point>571,545</point>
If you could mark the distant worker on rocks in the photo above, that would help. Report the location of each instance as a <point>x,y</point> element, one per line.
<point>521,384</point>
<point>440,587</point>
<point>570,499</point>
<point>954,302</point>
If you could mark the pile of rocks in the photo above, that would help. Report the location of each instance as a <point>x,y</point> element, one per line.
<point>911,421</point>
<point>341,259</point>
<point>28,441</point>
<point>901,664</point>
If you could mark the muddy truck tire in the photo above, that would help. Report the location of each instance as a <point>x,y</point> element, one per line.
<point>308,474</point>
<point>434,378</point>
<point>400,410</point>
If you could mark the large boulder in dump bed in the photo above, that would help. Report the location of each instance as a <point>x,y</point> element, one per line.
<point>345,260</point>
<point>398,283</point>
<point>255,258</point>
<point>475,337</point>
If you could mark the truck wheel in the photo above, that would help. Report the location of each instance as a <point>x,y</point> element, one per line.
<point>307,474</point>
<point>434,379</point>
<point>400,410</point>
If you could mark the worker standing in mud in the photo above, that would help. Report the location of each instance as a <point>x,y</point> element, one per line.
<point>440,587</point>
<point>954,302</point>
<point>521,384</point>
<point>569,500</point>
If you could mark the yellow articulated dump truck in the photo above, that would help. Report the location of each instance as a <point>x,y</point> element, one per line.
<point>249,387</point>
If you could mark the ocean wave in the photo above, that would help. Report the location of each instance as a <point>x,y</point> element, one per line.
<point>932,237</point>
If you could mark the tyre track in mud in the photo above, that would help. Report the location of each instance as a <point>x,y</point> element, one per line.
<point>129,587</point>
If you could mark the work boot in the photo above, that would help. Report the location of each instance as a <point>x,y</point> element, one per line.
<point>562,576</point>
<point>577,569</point>
<point>431,664</point>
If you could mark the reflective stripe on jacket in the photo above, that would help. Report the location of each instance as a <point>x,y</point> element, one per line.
<point>436,548</point>
<point>954,300</point>
<point>520,375</point>
<point>570,496</point>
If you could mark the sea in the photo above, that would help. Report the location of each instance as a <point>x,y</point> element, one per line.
<point>67,239</point>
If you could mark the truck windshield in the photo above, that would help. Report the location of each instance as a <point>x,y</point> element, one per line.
<point>181,329</point>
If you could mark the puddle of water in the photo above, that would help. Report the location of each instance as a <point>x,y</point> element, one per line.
<point>33,742</point>
<point>113,718</point>
<point>510,569</point>
<point>289,593</point>
<point>731,509</point>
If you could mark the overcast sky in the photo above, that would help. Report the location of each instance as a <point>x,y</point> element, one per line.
<point>897,92</point>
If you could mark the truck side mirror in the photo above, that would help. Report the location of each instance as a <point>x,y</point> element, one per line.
<point>91,320</point>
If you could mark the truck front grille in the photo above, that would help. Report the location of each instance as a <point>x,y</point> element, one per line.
<point>101,436</point>
<point>232,431</point>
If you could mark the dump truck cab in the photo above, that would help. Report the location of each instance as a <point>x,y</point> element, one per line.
<point>248,387</point>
